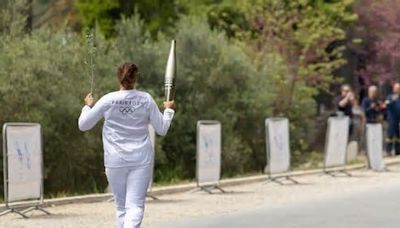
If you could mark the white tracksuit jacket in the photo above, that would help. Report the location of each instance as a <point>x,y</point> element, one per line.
<point>127,114</point>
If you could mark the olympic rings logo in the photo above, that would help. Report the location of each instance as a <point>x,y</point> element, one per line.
<point>127,110</point>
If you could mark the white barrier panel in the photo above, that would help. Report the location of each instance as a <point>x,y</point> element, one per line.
<point>277,140</point>
<point>152,135</point>
<point>336,141</point>
<point>208,162</point>
<point>375,147</point>
<point>22,161</point>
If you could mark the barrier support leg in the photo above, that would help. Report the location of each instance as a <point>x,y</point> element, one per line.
<point>346,173</point>
<point>334,173</point>
<point>292,180</point>
<point>279,181</point>
<point>11,210</point>
<point>151,196</point>
<point>39,208</point>
<point>208,189</point>
<point>221,189</point>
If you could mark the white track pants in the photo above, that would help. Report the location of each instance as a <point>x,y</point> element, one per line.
<point>129,187</point>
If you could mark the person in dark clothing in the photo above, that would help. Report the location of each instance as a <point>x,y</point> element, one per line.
<point>344,104</point>
<point>393,119</point>
<point>372,106</point>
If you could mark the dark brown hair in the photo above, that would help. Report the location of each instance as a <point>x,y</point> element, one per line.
<point>127,75</point>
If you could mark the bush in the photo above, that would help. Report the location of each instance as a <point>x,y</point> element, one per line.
<point>215,81</point>
<point>44,78</point>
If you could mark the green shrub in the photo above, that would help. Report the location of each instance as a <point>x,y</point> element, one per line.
<point>43,79</point>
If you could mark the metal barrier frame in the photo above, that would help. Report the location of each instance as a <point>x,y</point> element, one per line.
<point>209,186</point>
<point>31,204</point>
<point>271,177</point>
<point>335,171</point>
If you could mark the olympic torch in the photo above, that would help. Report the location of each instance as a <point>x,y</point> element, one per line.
<point>170,73</point>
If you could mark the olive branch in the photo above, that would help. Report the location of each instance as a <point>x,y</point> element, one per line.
<point>91,54</point>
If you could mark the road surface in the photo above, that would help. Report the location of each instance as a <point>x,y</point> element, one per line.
<point>368,199</point>
<point>377,207</point>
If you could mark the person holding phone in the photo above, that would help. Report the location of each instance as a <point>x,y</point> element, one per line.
<point>372,106</point>
<point>344,104</point>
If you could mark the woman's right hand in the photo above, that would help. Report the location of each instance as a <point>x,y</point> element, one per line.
<point>169,104</point>
<point>89,100</point>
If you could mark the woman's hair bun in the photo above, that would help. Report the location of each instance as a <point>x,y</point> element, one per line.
<point>127,75</point>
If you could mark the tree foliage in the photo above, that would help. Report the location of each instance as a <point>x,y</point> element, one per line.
<point>238,67</point>
<point>41,86</point>
<point>158,15</point>
<point>304,41</point>
<point>379,53</point>
<point>12,22</point>
<point>209,67</point>
<point>307,36</point>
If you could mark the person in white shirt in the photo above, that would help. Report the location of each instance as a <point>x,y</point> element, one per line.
<point>127,146</point>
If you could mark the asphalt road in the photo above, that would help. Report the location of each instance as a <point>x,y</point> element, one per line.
<point>368,199</point>
<point>377,207</point>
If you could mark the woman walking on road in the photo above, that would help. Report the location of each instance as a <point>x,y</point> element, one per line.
<point>126,141</point>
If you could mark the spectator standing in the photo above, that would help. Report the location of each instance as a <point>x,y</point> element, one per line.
<point>344,103</point>
<point>372,106</point>
<point>393,119</point>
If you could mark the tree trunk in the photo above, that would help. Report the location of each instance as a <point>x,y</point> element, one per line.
<point>29,16</point>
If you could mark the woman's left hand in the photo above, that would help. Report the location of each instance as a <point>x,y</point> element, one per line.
<point>89,100</point>
<point>169,104</point>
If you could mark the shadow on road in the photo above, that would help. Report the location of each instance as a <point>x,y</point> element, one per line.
<point>361,175</point>
<point>287,183</point>
<point>36,215</point>
<point>164,201</point>
<point>232,193</point>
